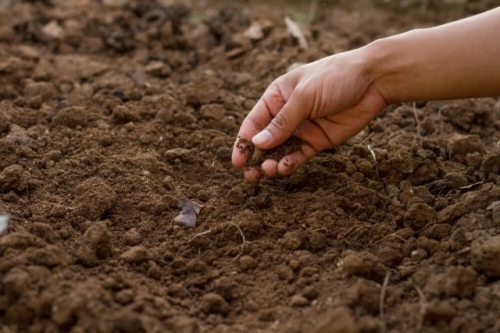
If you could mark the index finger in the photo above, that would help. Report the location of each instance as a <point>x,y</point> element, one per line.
<point>259,117</point>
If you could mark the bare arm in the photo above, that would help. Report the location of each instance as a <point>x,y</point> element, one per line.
<point>326,102</point>
<point>456,60</point>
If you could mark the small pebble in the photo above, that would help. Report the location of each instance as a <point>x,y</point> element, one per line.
<point>299,301</point>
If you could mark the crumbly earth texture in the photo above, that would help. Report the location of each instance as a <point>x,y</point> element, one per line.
<point>112,110</point>
<point>256,156</point>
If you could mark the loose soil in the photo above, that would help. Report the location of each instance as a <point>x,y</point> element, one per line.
<point>256,156</point>
<point>112,110</point>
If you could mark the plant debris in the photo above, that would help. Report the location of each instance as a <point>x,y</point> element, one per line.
<point>190,210</point>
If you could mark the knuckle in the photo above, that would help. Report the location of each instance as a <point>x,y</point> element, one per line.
<point>280,122</point>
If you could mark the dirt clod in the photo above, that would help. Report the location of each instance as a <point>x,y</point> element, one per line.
<point>213,303</point>
<point>94,198</point>
<point>484,256</point>
<point>71,117</point>
<point>94,245</point>
<point>419,215</point>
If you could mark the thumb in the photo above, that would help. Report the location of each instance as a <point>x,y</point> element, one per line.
<point>284,123</point>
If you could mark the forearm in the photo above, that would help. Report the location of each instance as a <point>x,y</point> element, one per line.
<point>456,60</point>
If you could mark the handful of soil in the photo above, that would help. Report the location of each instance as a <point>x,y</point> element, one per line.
<point>257,156</point>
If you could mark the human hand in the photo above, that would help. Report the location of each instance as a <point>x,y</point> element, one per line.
<point>323,103</point>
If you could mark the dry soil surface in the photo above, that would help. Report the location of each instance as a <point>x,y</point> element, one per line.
<point>111,111</point>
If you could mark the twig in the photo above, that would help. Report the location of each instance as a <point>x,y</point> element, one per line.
<point>395,236</point>
<point>374,158</point>
<point>349,230</point>
<point>242,236</point>
<point>419,128</point>
<point>423,306</point>
<point>382,298</point>
<point>200,234</point>
<point>464,251</point>
<point>367,138</point>
<point>468,187</point>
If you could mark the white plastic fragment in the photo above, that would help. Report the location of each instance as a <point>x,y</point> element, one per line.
<point>190,210</point>
<point>4,223</point>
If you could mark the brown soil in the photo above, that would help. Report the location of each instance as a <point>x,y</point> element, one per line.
<point>257,156</point>
<point>111,111</point>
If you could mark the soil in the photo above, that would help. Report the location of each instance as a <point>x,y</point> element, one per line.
<point>113,110</point>
<point>257,156</point>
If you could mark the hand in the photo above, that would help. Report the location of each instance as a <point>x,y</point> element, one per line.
<point>323,103</point>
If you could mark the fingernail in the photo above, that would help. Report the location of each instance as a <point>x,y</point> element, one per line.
<point>263,138</point>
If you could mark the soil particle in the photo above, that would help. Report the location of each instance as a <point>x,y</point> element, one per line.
<point>390,256</point>
<point>285,273</point>
<point>212,111</point>
<point>5,121</point>
<point>213,303</point>
<point>123,115</point>
<point>364,297</point>
<point>94,245</point>
<point>292,240</point>
<point>19,241</point>
<point>197,266</point>
<point>183,324</point>
<point>484,256</point>
<point>474,159</point>
<point>125,296</point>
<point>437,231</point>
<point>13,178</point>
<point>364,264</point>
<point>257,156</point>
<point>463,145</point>
<point>94,199</point>
<point>166,115</point>
<point>339,320</point>
<point>456,179</point>
<point>44,231</point>
<point>461,281</point>
<point>436,311</point>
<point>135,255</point>
<point>247,263</point>
<point>132,237</point>
<point>236,196</point>
<point>299,301</point>
<point>44,90</point>
<point>491,163</point>
<point>182,154</point>
<point>71,117</point>
<point>371,324</point>
<point>15,283</point>
<point>470,202</point>
<point>226,287</point>
<point>8,153</point>
<point>419,215</point>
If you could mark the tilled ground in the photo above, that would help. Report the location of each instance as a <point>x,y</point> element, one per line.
<point>111,111</point>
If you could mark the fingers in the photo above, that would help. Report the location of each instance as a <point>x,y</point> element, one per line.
<point>285,122</point>
<point>258,118</point>
<point>289,163</point>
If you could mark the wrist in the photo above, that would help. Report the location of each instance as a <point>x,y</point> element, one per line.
<point>388,61</point>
